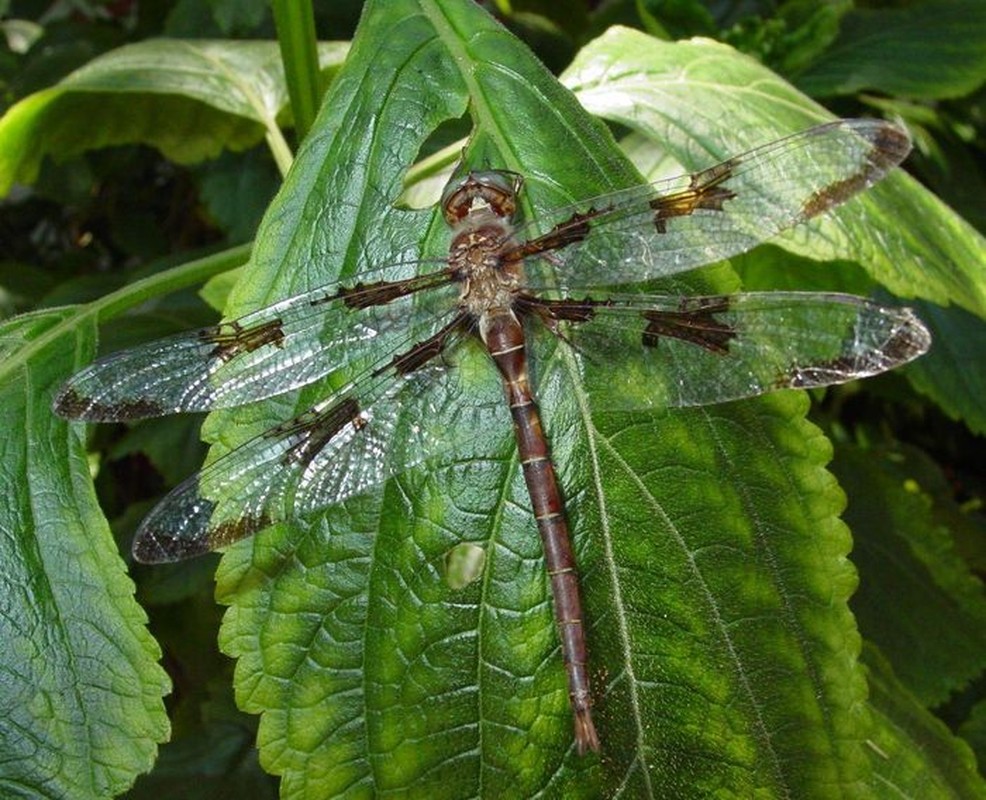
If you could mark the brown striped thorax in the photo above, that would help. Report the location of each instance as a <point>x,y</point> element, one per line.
<point>480,208</point>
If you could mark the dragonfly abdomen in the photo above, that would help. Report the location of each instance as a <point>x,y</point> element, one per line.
<point>504,337</point>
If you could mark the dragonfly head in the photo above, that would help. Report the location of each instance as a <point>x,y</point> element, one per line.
<point>481,192</point>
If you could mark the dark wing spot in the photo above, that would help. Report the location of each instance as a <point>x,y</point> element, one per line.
<point>231,339</point>
<point>704,191</point>
<point>153,547</point>
<point>909,341</point>
<point>572,230</point>
<point>372,294</point>
<point>554,311</point>
<point>695,323</point>
<point>423,352</point>
<point>889,149</point>
<point>161,547</point>
<point>834,194</point>
<point>72,405</point>
<point>235,529</point>
<point>407,362</point>
<point>365,295</point>
<point>316,430</point>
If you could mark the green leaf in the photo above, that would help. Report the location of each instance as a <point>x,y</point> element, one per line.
<point>713,563</point>
<point>973,731</point>
<point>237,190</point>
<point>80,706</point>
<point>238,16</point>
<point>81,709</point>
<point>931,50</point>
<point>917,599</point>
<point>913,753</point>
<point>952,374</point>
<point>190,99</point>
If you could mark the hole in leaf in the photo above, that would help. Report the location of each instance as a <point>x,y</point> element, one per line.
<point>464,564</point>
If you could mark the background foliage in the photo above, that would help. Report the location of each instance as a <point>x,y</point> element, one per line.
<point>157,157</point>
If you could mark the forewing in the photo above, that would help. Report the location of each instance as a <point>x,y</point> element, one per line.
<point>691,351</point>
<point>264,353</point>
<point>678,224</point>
<point>344,446</point>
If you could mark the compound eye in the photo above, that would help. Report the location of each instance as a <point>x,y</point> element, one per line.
<point>492,190</point>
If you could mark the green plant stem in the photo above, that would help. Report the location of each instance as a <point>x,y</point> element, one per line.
<point>295,23</point>
<point>280,149</point>
<point>127,297</point>
<point>435,163</point>
<point>168,281</point>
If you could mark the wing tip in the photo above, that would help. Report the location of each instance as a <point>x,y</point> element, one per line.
<point>152,547</point>
<point>910,339</point>
<point>70,403</point>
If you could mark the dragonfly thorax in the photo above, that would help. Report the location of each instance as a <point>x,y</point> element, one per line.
<point>489,283</point>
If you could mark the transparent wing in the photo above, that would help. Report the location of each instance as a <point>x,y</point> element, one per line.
<point>349,443</point>
<point>689,351</point>
<point>678,224</point>
<point>264,353</point>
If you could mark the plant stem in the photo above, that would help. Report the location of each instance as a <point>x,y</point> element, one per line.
<point>295,21</point>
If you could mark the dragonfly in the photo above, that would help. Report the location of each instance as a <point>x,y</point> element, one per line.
<point>512,283</point>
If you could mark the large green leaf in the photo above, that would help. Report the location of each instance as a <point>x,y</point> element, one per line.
<point>80,693</point>
<point>913,753</point>
<point>712,558</point>
<point>190,99</point>
<point>931,50</point>
<point>917,599</point>
<point>953,373</point>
